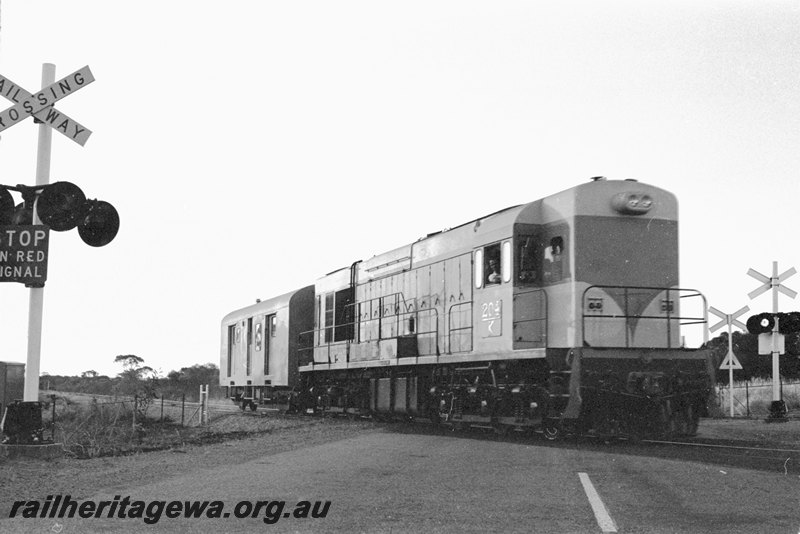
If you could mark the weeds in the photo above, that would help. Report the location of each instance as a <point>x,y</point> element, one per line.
<point>109,429</point>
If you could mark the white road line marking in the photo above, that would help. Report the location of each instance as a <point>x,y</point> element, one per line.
<point>600,513</point>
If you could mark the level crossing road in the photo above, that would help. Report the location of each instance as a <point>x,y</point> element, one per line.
<point>406,482</point>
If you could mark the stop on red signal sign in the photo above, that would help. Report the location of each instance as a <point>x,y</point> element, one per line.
<point>23,254</point>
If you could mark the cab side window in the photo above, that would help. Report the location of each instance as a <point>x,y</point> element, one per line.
<point>493,265</point>
<point>528,271</point>
<point>553,262</point>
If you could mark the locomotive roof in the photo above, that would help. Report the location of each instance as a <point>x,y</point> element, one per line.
<point>590,199</point>
<point>262,307</point>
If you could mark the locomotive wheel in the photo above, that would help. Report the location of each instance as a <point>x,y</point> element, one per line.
<point>500,429</point>
<point>552,431</point>
<point>692,420</point>
<point>663,422</point>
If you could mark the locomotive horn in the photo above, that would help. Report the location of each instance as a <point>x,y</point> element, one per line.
<point>100,224</point>
<point>61,206</point>
<point>6,206</point>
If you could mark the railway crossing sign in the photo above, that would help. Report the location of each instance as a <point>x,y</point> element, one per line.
<point>730,320</point>
<point>775,282</point>
<point>40,104</point>
<point>730,363</point>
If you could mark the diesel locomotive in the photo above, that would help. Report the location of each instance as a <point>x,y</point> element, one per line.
<point>562,314</point>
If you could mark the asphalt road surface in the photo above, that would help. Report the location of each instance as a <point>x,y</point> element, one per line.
<point>417,482</point>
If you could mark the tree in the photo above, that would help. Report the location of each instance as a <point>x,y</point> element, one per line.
<point>136,379</point>
<point>129,361</point>
<point>89,374</point>
<point>188,380</point>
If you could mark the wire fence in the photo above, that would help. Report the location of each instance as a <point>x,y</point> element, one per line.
<point>753,398</point>
<point>61,406</point>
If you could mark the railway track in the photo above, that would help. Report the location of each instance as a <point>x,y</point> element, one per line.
<point>777,458</point>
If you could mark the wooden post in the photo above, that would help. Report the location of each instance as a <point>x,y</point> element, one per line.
<point>204,405</point>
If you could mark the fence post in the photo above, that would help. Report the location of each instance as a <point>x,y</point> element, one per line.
<point>183,406</point>
<point>135,402</point>
<point>204,405</point>
<point>53,419</point>
<point>747,396</point>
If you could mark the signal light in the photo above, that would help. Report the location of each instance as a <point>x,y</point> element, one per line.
<point>6,206</point>
<point>761,323</point>
<point>61,205</point>
<point>789,323</point>
<point>22,214</point>
<point>764,323</point>
<point>100,224</point>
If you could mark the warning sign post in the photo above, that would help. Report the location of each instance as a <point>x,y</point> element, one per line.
<point>730,362</point>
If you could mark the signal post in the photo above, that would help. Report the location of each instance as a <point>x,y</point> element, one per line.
<point>60,206</point>
<point>770,340</point>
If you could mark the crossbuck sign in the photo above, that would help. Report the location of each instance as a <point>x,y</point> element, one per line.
<point>40,105</point>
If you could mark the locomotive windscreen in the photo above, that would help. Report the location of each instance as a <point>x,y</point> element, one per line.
<point>626,251</point>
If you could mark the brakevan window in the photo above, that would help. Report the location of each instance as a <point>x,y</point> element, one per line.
<point>249,344</point>
<point>231,343</point>
<point>270,331</point>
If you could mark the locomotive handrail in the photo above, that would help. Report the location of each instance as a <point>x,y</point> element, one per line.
<point>668,315</point>
<point>450,328</point>
<point>358,321</point>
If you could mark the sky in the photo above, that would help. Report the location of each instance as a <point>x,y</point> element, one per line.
<point>251,147</point>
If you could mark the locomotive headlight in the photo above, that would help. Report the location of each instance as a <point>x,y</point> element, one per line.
<point>632,203</point>
<point>534,405</point>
